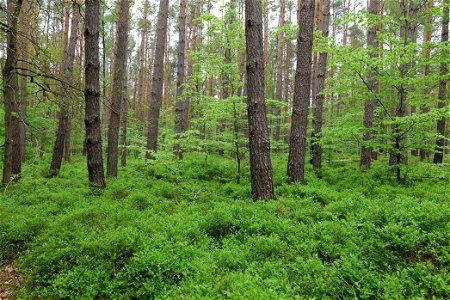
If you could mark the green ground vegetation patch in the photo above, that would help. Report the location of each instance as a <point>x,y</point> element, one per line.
<point>187,230</point>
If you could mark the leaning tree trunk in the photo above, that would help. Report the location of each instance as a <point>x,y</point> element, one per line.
<point>120,60</point>
<point>260,164</point>
<point>439,154</point>
<point>369,105</point>
<point>67,70</point>
<point>319,97</point>
<point>302,89</point>
<point>12,162</point>
<point>181,105</point>
<point>156,97</point>
<point>92,95</point>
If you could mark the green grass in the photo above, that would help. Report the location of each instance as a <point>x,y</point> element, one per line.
<point>169,229</point>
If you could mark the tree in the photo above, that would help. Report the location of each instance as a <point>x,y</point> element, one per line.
<point>279,79</point>
<point>12,161</point>
<point>181,105</point>
<point>67,73</point>
<point>156,96</point>
<point>319,86</point>
<point>370,104</point>
<point>439,154</point>
<point>120,59</point>
<point>92,95</point>
<point>302,89</point>
<point>260,164</point>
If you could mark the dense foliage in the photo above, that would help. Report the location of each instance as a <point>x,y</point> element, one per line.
<point>185,229</point>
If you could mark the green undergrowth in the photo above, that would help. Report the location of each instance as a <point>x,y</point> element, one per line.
<point>171,229</point>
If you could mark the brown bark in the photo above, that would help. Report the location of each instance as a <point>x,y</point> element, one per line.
<point>157,80</point>
<point>12,161</point>
<point>266,47</point>
<point>120,59</point>
<point>370,104</point>
<point>181,104</point>
<point>439,154</point>
<point>319,86</point>
<point>279,83</point>
<point>166,98</point>
<point>297,146</point>
<point>92,95</point>
<point>67,71</point>
<point>139,91</point>
<point>260,164</point>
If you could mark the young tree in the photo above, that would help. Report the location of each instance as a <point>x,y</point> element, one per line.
<point>120,59</point>
<point>181,105</point>
<point>156,97</point>
<point>92,95</point>
<point>67,73</point>
<point>319,86</point>
<point>370,104</point>
<point>439,154</point>
<point>12,161</point>
<point>260,164</point>
<point>302,89</point>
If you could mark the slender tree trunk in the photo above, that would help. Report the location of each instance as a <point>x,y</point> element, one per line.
<point>120,59</point>
<point>67,69</point>
<point>260,164</point>
<point>26,19</point>
<point>369,105</point>
<point>139,91</point>
<point>166,96</point>
<point>319,97</point>
<point>302,89</point>
<point>439,154</point>
<point>157,80</point>
<point>266,47</point>
<point>12,159</point>
<point>123,142</point>
<point>279,83</point>
<point>428,28</point>
<point>181,105</point>
<point>92,95</point>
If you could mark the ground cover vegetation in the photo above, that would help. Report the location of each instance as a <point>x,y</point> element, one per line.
<point>186,229</point>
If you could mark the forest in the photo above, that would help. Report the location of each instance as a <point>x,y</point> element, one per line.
<point>233,149</point>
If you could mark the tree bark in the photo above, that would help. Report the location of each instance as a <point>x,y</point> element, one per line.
<point>123,142</point>
<point>260,163</point>
<point>67,72</point>
<point>439,154</point>
<point>120,59</point>
<point>181,105</point>
<point>319,97</point>
<point>157,80</point>
<point>12,161</point>
<point>302,89</point>
<point>92,95</point>
<point>370,104</point>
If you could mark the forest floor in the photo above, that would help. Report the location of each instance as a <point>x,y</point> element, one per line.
<point>187,230</point>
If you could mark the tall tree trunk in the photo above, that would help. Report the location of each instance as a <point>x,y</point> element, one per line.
<point>12,162</point>
<point>266,47</point>
<point>260,164</point>
<point>369,105</point>
<point>428,28</point>
<point>279,83</point>
<point>26,20</point>
<point>67,70</point>
<point>166,73</point>
<point>439,154</point>
<point>181,105</point>
<point>302,89</point>
<point>92,95</point>
<point>120,59</point>
<point>123,142</point>
<point>157,80</point>
<point>319,97</point>
<point>139,91</point>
